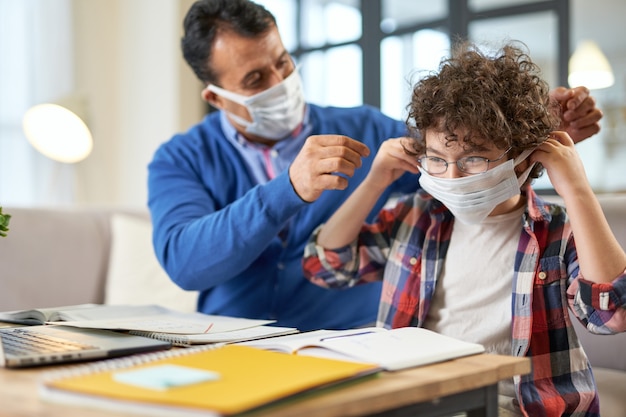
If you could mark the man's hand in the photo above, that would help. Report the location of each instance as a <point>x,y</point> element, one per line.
<point>323,163</point>
<point>579,115</point>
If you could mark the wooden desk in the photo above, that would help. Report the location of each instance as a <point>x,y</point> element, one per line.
<point>468,383</point>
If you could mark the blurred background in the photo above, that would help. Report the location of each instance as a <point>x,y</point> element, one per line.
<point>118,64</point>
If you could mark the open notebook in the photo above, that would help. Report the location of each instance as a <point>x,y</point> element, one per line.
<point>46,345</point>
<point>392,350</point>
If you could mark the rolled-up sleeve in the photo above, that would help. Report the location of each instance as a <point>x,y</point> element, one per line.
<point>335,268</point>
<point>600,306</point>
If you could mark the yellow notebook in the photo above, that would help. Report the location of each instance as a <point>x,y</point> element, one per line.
<point>224,380</point>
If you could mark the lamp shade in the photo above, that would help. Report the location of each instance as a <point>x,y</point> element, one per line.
<point>589,67</point>
<point>58,132</point>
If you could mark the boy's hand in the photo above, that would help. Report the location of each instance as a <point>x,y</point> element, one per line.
<point>559,157</point>
<point>391,162</point>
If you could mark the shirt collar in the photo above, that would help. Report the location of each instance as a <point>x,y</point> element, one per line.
<point>238,139</point>
<point>537,210</point>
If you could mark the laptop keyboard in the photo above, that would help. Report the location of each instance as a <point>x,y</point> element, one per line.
<point>22,342</point>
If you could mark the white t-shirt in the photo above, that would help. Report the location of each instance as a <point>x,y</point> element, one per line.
<point>472,299</point>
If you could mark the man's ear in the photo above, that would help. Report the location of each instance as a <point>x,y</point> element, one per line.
<point>211,98</point>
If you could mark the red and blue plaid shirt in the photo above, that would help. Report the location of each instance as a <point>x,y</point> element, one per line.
<point>406,247</point>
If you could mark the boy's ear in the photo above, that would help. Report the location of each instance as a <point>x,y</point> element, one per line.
<point>523,166</point>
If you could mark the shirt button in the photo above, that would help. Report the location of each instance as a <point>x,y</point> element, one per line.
<point>413,260</point>
<point>281,265</point>
<point>274,153</point>
<point>543,275</point>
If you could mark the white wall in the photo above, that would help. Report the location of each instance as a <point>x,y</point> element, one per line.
<point>139,90</point>
<point>36,65</point>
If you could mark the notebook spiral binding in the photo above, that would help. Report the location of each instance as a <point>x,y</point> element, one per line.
<point>174,339</point>
<point>123,362</point>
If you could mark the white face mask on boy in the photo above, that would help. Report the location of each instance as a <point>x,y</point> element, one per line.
<point>275,112</point>
<point>472,198</point>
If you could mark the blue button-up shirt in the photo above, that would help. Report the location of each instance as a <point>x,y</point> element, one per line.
<point>266,162</point>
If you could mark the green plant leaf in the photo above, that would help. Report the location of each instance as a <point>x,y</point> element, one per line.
<point>4,223</point>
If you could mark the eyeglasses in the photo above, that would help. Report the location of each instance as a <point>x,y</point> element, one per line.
<point>469,164</point>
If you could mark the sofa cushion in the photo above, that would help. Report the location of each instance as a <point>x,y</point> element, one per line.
<point>611,385</point>
<point>135,276</point>
<point>53,257</point>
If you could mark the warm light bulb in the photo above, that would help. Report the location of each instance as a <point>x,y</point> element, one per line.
<point>58,133</point>
<point>589,67</point>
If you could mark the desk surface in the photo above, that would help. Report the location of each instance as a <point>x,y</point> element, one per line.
<point>19,390</point>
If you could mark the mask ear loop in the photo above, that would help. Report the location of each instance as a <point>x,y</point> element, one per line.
<point>521,157</point>
<point>521,179</point>
<point>235,98</point>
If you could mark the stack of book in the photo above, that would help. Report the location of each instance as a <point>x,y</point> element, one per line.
<point>210,380</point>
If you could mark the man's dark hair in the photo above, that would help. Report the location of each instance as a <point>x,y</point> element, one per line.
<point>206,19</point>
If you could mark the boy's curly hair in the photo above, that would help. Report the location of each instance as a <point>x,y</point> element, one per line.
<point>498,98</point>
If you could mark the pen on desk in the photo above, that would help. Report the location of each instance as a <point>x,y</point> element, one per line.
<point>344,335</point>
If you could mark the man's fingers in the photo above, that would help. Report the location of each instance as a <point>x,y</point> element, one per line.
<point>343,153</point>
<point>588,119</point>
<point>578,96</point>
<point>336,166</point>
<point>584,126</point>
<point>335,153</point>
<point>332,141</point>
<point>580,117</point>
<point>577,100</point>
<point>584,133</point>
<point>325,163</point>
<point>561,94</point>
<point>331,182</point>
<point>584,108</point>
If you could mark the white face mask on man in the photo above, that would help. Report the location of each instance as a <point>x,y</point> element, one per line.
<point>275,112</point>
<point>472,198</point>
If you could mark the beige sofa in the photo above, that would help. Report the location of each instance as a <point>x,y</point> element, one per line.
<point>64,256</point>
<point>55,257</point>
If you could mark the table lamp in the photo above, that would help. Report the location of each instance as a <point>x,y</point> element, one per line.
<point>588,66</point>
<point>58,130</point>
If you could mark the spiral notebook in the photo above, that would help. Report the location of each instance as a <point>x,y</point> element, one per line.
<point>217,380</point>
<point>239,335</point>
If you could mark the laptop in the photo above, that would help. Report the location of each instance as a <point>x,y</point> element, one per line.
<point>52,344</point>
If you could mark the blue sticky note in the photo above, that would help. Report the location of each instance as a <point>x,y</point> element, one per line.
<point>163,377</point>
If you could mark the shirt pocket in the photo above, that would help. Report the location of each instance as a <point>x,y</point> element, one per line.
<point>402,275</point>
<point>406,256</point>
<point>550,309</point>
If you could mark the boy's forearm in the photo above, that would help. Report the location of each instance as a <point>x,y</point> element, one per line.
<point>344,226</point>
<point>600,256</point>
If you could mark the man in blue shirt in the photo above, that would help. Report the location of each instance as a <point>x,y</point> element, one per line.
<point>235,198</point>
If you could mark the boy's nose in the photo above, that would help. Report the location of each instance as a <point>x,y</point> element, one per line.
<point>453,171</point>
